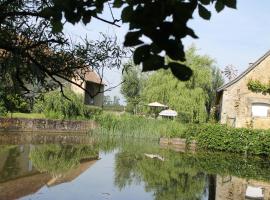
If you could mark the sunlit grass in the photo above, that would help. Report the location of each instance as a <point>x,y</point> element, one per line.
<point>138,126</point>
<point>26,115</point>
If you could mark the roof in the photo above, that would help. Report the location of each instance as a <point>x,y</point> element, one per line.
<point>92,76</point>
<point>156,104</point>
<point>71,174</point>
<point>251,67</point>
<point>169,113</point>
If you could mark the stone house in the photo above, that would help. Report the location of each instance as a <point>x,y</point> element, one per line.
<point>94,84</point>
<point>237,106</point>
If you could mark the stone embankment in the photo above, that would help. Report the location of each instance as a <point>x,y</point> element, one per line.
<point>45,125</point>
<point>178,144</point>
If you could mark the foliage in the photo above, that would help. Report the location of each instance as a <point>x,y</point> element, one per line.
<point>137,126</point>
<point>59,159</point>
<point>191,99</point>
<point>55,105</point>
<point>114,108</point>
<point>133,83</point>
<point>3,110</point>
<point>12,100</point>
<point>29,27</point>
<point>37,59</point>
<point>181,174</point>
<point>258,87</point>
<point>222,138</point>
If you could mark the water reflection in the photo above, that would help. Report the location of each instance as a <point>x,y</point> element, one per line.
<point>122,169</point>
<point>22,167</point>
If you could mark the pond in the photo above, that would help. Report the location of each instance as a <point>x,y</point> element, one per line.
<point>119,169</point>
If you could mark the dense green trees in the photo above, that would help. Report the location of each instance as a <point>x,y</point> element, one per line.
<point>133,83</point>
<point>34,48</point>
<point>54,105</point>
<point>191,99</point>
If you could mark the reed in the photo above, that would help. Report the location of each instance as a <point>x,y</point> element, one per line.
<point>127,125</point>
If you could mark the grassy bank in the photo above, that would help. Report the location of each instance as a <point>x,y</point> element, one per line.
<point>222,138</point>
<point>137,126</point>
<point>26,115</point>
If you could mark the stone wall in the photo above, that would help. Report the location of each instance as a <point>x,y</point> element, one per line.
<point>230,187</point>
<point>236,100</point>
<point>45,125</point>
<point>261,123</point>
<point>18,138</point>
<point>178,144</point>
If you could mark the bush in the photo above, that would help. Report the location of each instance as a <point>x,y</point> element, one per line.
<point>55,105</point>
<point>91,111</point>
<point>224,138</point>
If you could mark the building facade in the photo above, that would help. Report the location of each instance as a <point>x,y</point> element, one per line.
<point>237,106</point>
<point>93,84</point>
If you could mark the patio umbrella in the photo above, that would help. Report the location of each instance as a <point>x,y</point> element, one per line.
<point>168,113</point>
<point>156,104</point>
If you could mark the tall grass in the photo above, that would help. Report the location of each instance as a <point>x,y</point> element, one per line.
<point>137,126</point>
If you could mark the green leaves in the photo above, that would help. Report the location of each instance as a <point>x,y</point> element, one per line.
<point>153,62</point>
<point>57,26</point>
<point>204,13</point>
<point>182,72</point>
<point>219,6</point>
<point>230,3</point>
<point>141,53</point>
<point>126,15</point>
<point>118,3</point>
<point>132,38</point>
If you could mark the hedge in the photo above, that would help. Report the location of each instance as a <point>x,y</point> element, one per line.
<point>224,138</point>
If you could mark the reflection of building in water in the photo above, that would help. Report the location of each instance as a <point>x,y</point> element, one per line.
<point>18,178</point>
<point>72,174</point>
<point>230,187</point>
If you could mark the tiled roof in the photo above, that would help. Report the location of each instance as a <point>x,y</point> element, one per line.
<point>92,76</point>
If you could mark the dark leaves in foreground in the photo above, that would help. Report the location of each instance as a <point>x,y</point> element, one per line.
<point>162,22</point>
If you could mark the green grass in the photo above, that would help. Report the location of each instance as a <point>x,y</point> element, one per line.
<point>127,125</point>
<point>26,115</point>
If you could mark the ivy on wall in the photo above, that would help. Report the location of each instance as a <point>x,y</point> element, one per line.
<point>258,87</point>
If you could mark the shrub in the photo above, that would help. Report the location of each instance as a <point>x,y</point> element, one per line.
<point>224,138</point>
<point>55,105</point>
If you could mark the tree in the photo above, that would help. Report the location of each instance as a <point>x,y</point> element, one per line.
<point>34,48</point>
<point>133,82</point>
<point>191,99</point>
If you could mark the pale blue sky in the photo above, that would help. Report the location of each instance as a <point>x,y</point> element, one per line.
<point>236,37</point>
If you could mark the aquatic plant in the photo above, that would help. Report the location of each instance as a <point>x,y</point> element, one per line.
<point>127,125</point>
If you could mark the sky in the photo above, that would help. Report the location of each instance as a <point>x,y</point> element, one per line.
<point>231,37</point>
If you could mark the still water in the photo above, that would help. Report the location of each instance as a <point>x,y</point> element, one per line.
<point>130,169</point>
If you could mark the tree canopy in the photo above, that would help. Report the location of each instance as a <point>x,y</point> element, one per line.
<point>191,99</point>
<point>35,50</point>
<point>133,83</point>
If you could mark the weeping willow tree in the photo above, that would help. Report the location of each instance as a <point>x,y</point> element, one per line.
<point>191,99</point>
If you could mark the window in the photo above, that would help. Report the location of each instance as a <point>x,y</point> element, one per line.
<point>260,110</point>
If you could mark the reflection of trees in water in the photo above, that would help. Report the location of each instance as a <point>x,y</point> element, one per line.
<point>11,166</point>
<point>59,159</point>
<point>167,179</point>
